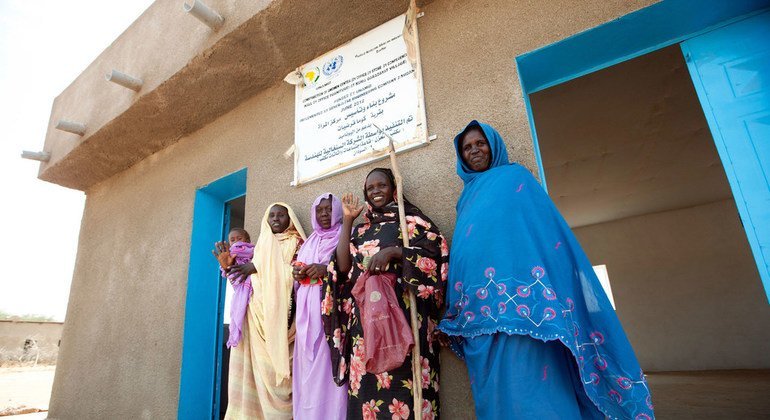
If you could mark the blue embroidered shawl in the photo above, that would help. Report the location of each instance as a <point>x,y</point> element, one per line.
<point>517,268</point>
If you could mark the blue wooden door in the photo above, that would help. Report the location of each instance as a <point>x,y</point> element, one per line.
<point>730,68</point>
<point>202,342</point>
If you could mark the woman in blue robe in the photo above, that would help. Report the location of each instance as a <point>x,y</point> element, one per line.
<point>525,309</point>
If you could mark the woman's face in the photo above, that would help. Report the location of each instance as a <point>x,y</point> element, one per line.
<point>379,190</point>
<point>323,213</point>
<point>475,150</point>
<point>278,218</point>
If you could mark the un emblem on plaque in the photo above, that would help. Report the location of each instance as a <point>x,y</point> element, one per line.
<point>332,66</point>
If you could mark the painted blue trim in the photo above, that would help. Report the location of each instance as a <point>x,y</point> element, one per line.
<point>221,293</point>
<point>229,187</point>
<point>533,132</point>
<point>654,27</point>
<point>201,354</point>
<point>632,35</point>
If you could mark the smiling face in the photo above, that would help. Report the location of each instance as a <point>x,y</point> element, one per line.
<point>379,190</point>
<point>475,150</point>
<point>278,218</point>
<point>323,213</point>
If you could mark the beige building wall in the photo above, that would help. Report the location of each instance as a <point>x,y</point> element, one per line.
<point>686,287</point>
<point>121,349</point>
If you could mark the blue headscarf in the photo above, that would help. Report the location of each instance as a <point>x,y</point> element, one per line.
<point>517,268</point>
<point>496,146</point>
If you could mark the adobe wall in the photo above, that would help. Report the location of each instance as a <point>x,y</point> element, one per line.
<point>14,335</point>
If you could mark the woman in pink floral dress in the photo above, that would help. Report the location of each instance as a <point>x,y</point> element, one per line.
<point>376,246</point>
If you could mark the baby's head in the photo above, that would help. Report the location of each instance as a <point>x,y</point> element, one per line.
<point>238,235</point>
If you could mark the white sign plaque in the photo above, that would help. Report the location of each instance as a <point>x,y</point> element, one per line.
<point>368,81</point>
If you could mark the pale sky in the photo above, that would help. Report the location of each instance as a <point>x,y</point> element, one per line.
<point>44,46</point>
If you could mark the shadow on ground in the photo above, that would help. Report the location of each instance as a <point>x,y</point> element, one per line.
<point>728,394</point>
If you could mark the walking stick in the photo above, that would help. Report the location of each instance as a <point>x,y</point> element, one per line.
<point>416,365</point>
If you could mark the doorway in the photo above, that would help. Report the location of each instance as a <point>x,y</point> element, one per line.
<point>235,214</point>
<point>628,130</point>
<point>632,165</point>
<point>729,62</point>
<point>218,207</point>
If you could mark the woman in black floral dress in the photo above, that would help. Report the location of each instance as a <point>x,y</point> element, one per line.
<point>376,246</point>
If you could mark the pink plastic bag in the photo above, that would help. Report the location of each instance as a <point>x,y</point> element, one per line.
<point>387,334</point>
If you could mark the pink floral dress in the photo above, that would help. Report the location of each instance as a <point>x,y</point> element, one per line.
<point>424,268</point>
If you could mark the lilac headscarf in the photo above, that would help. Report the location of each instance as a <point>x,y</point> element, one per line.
<point>243,253</point>
<point>314,393</point>
<point>319,246</point>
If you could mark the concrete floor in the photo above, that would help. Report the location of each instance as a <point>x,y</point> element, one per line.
<point>729,394</point>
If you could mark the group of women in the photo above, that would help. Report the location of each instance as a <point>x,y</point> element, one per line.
<point>518,301</point>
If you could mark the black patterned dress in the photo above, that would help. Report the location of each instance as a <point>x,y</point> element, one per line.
<point>423,268</point>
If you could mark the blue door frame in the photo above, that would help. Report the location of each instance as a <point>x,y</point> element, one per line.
<point>660,25</point>
<point>657,26</point>
<point>201,355</point>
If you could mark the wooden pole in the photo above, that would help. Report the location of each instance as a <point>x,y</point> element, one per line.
<point>416,365</point>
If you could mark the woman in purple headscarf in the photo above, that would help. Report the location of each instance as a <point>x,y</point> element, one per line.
<point>315,394</point>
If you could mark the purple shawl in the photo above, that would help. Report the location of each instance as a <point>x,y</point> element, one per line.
<point>315,395</point>
<point>243,253</point>
<point>319,246</point>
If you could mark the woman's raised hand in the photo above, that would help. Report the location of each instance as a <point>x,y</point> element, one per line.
<point>351,207</point>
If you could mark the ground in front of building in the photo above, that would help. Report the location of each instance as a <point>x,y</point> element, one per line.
<point>25,389</point>
<point>725,394</point>
<point>677,395</point>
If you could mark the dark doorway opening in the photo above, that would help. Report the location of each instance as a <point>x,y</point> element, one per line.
<point>234,218</point>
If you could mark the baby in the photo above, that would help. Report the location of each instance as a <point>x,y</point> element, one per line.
<point>239,251</point>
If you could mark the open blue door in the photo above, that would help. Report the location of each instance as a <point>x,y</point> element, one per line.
<point>730,68</point>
